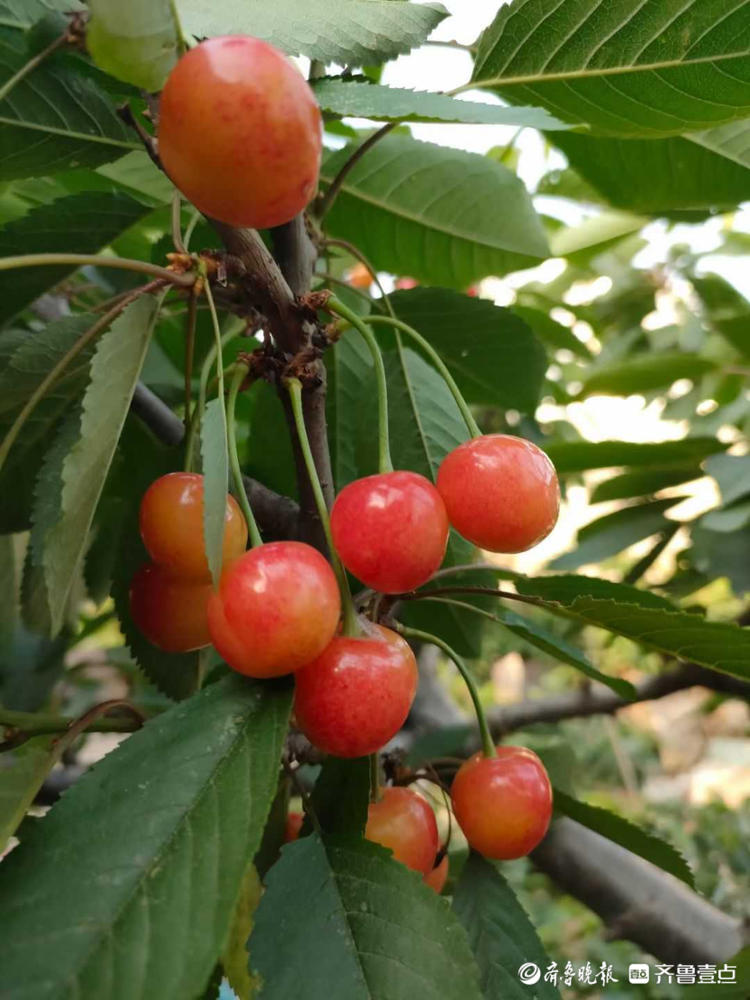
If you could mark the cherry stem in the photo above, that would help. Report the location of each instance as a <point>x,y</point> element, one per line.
<point>413,633</point>
<point>384,447</point>
<point>96,260</point>
<point>206,368</point>
<point>294,388</point>
<point>439,364</point>
<point>190,325</point>
<point>238,378</point>
<point>177,223</point>
<point>374,777</point>
<point>57,370</point>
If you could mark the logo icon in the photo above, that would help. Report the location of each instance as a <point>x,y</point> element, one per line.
<point>638,973</point>
<point>529,973</point>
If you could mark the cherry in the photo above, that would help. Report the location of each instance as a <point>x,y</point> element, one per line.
<point>169,610</point>
<point>403,821</point>
<point>438,876</point>
<point>503,804</point>
<point>390,530</point>
<point>276,609</point>
<point>356,695</point>
<point>359,276</point>
<point>501,492</point>
<point>240,132</point>
<point>292,826</point>
<point>171,522</point>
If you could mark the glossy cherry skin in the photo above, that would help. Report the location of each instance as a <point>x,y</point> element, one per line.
<point>501,492</point>
<point>404,822</point>
<point>356,695</point>
<point>276,609</point>
<point>438,876</point>
<point>292,826</point>
<point>170,611</point>
<point>390,530</point>
<point>171,523</point>
<point>240,132</point>
<point>503,804</point>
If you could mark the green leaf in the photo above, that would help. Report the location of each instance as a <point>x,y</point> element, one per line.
<point>346,922</point>
<point>731,140</point>
<point>642,482</point>
<point>501,935</point>
<point>728,311</point>
<point>354,33</point>
<point>215,461</point>
<point>69,490</point>
<point>727,520</point>
<point>234,955</point>
<point>57,117</point>
<point>552,334</point>
<point>137,174</point>
<point>359,99</point>
<point>657,176</point>
<point>732,474</point>
<point>493,356</point>
<point>80,223</point>
<point>594,235</point>
<point>136,42</point>
<point>565,588</point>
<point>341,796</point>
<point>627,835</point>
<point>627,69</point>
<point>610,534</point>
<point>481,220</point>
<point>351,388</point>
<point>644,374</point>
<point>170,820</point>
<point>269,450</point>
<point>578,456</point>
<point>22,773</point>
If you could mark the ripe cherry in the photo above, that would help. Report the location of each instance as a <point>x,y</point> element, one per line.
<point>171,522</point>
<point>503,804</point>
<point>359,276</point>
<point>390,530</point>
<point>403,821</point>
<point>438,876</point>
<point>276,609</point>
<point>356,695</point>
<point>292,826</point>
<point>169,610</point>
<point>240,132</point>
<point>501,492</point>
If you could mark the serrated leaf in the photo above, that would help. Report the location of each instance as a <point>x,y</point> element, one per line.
<point>341,796</point>
<point>351,387</point>
<point>22,773</point>
<point>645,374</point>
<point>657,176</point>
<point>442,215</point>
<point>215,462</point>
<point>344,921</point>
<point>80,223</point>
<point>731,141</point>
<point>491,353</point>
<point>606,536</point>
<point>500,933</point>
<point>136,42</point>
<point>578,456</point>
<point>594,235</point>
<point>234,955</point>
<point>627,69</point>
<point>643,482</point>
<point>565,588</point>
<point>626,834</point>
<point>170,820</point>
<point>22,14</point>
<point>353,33</point>
<point>57,117</point>
<point>61,532</point>
<point>360,99</point>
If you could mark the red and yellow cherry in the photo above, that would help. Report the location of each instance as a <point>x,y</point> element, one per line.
<point>356,695</point>
<point>390,530</point>
<point>501,492</point>
<point>292,826</point>
<point>438,876</point>
<point>359,276</point>
<point>169,610</point>
<point>240,132</point>
<point>276,609</point>
<point>404,822</point>
<point>503,804</point>
<point>171,523</point>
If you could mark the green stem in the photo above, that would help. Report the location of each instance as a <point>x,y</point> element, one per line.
<point>238,378</point>
<point>194,220</point>
<point>355,252</point>
<point>190,324</point>
<point>294,388</point>
<point>384,447</point>
<point>96,260</point>
<point>39,724</point>
<point>439,364</point>
<point>31,65</point>
<point>374,777</point>
<point>57,370</point>
<point>413,633</point>
<point>200,406</point>
<point>177,223</point>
